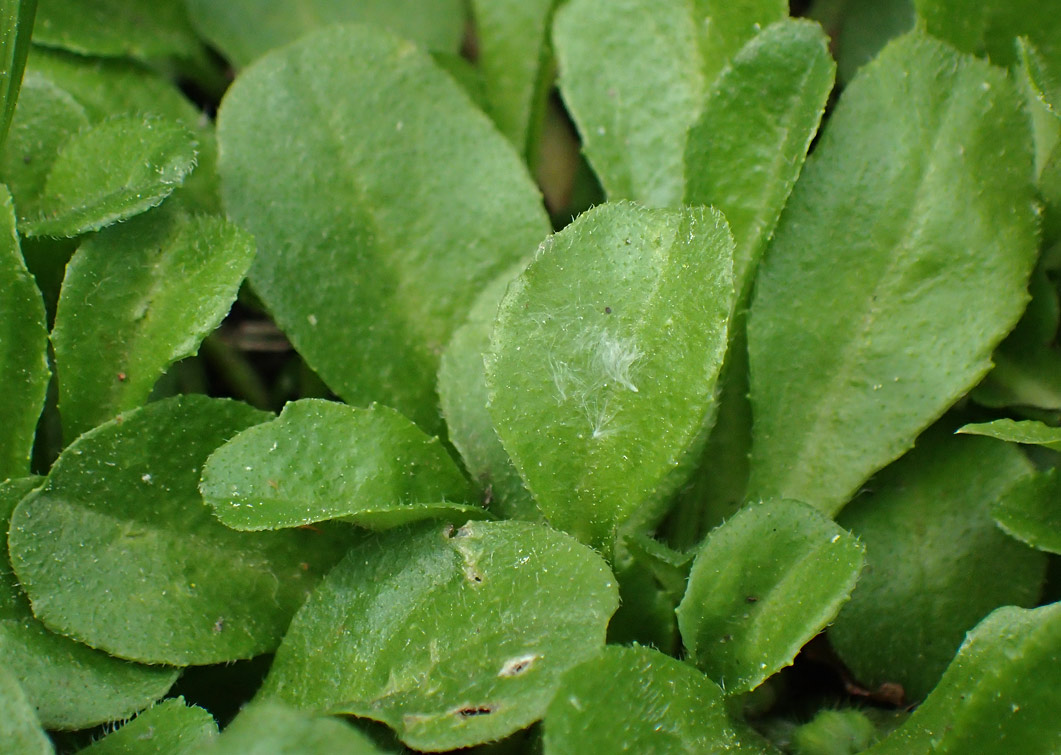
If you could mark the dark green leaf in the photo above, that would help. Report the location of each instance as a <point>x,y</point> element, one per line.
<point>24,372</point>
<point>451,637</point>
<point>170,728</point>
<point>935,561</point>
<point>110,172</point>
<point>71,686</point>
<point>321,460</point>
<point>433,24</point>
<point>869,318</point>
<point>613,335</point>
<point>16,26</point>
<point>991,27</point>
<point>1032,512</point>
<point>868,25</point>
<point>635,699</point>
<point>119,551</point>
<point>268,728</point>
<point>137,297</point>
<point>20,731</point>
<point>1000,691</point>
<point>426,204</point>
<point>762,585</point>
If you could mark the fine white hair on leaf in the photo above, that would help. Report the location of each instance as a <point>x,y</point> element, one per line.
<point>616,357</point>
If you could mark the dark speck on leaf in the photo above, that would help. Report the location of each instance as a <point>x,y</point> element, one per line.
<point>607,310</point>
<point>751,599</point>
<point>481,710</point>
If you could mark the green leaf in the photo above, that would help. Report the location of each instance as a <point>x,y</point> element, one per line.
<point>136,298</point>
<point>935,561</point>
<point>108,87</point>
<point>118,550</point>
<point>1023,431</point>
<point>169,728</point>
<point>869,318</point>
<point>71,686</point>
<point>615,333</point>
<point>991,27</point>
<point>745,152</point>
<point>426,204</point>
<point>16,26</point>
<point>432,24</point>
<point>463,399</point>
<point>110,172</point>
<point>866,26</point>
<point>999,691</point>
<point>1031,512</point>
<point>634,74</point>
<point>762,585</point>
<point>1042,76</point>
<point>648,702</point>
<point>44,119</point>
<point>450,637</point>
<point>142,29</point>
<point>20,731</point>
<point>834,732</point>
<point>321,460</point>
<point>268,728</point>
<point>515,59</point>
<point>24,372</point>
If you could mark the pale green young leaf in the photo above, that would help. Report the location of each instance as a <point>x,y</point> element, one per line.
<point>1000,690</point>
<point>436,25</point>
<point>452,637</point>
<point>634,74</point>
<point>144,29</point>
<point>869,318</point>
<point>427,203</point>
<point>514,56</point>
<point>463,400</point>
<point>613,335</point>
<point>24,371</point>
<point>1031,512</point>
<point>117,549</point>
<point>45,117</point>
<point>1028,431</point>
<point>70,685</point>
<point>169,728</point>
<point>935,561</point>
<point>16,26</point>
<point>20,731</point>
<point>109,172</point>
<point>136,298</point>
<point>746,150</point>
<point>321,460</point>
<point>636,699</point>
<point>762,585</point>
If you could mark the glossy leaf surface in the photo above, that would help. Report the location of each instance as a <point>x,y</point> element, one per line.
<point>321,460</point>
<point>110,172</point>
<point>428,203</point>
<point>761,586</point>
<point>118,548</point>
<point>24,371</point>
<point>452,637</point>
<point>935,561</point>
<point>580,376</point>
<point>136,298</point>
<point>869,319</point>
<point>69,685</point>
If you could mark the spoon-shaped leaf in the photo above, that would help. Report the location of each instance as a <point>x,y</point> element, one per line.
<point>869,318</point>
<point>170,727</point>
<point>604,360</point>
